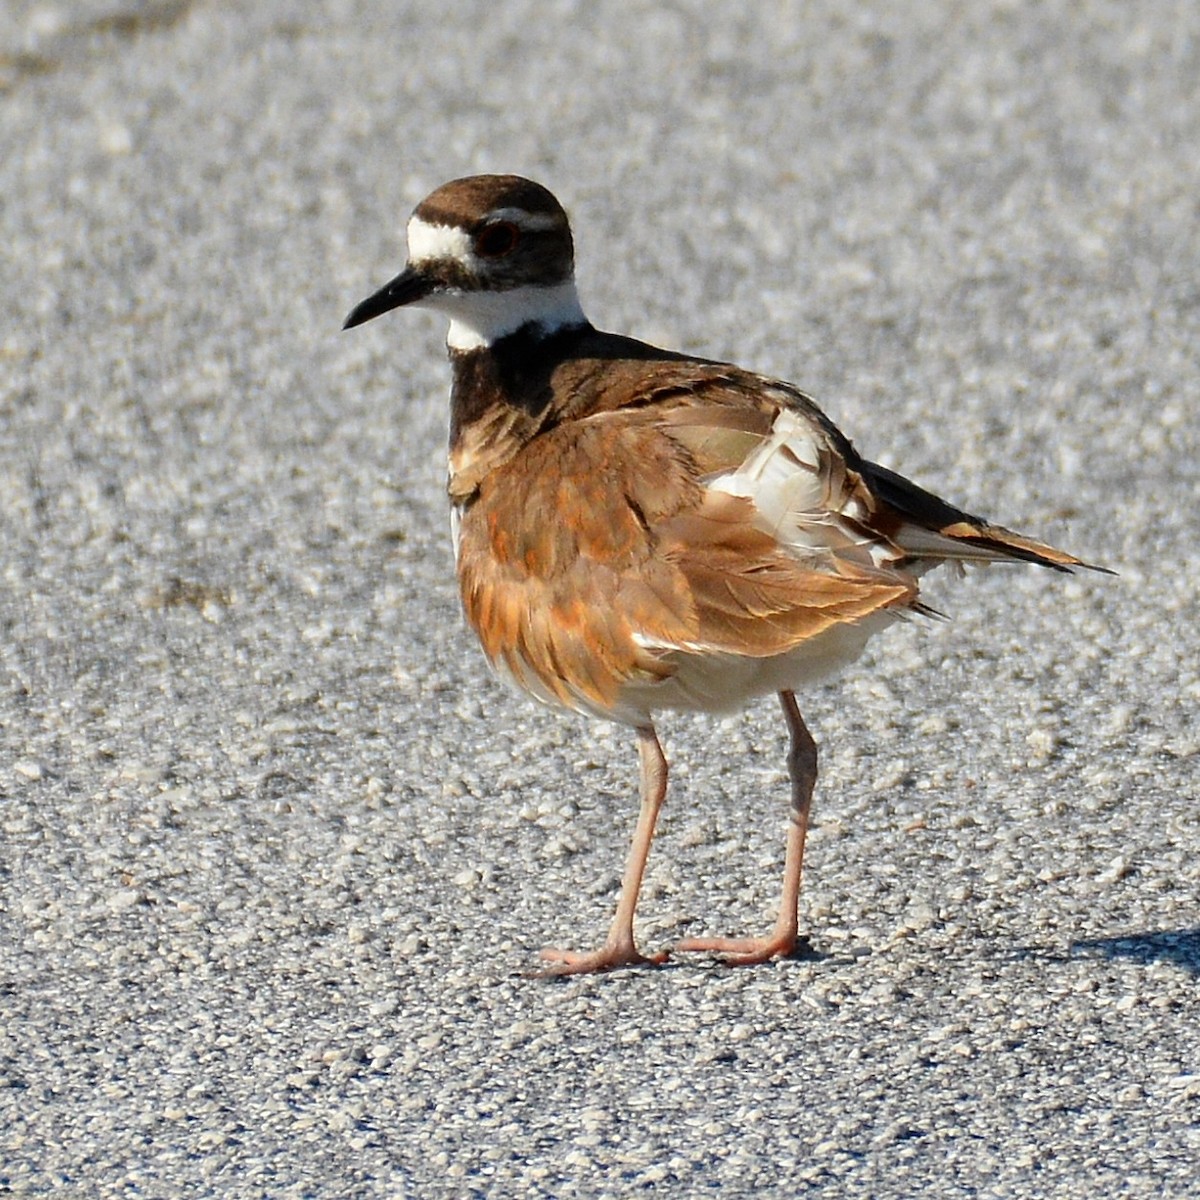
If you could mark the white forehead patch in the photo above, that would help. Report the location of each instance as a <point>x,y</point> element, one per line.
<point>429,243</point>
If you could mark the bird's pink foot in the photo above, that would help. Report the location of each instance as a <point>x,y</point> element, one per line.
<point>608,958</point>
<point>745,952</point>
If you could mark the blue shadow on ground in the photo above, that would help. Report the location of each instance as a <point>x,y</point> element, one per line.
<point>1178,946</point>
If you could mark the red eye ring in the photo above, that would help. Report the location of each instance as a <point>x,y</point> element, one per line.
<point>497,239</point>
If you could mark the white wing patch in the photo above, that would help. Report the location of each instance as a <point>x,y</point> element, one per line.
<point>792,479</point>
<point>782,477</point>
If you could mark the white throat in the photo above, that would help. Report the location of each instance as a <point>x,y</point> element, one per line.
<point>480,319</point>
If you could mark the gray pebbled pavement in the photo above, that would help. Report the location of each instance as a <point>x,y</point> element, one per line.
<point>275,851</point>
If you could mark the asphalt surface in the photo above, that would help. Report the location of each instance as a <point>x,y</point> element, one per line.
<point>275,851</point>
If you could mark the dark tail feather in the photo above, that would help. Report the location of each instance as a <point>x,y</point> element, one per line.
<point>931,528</point>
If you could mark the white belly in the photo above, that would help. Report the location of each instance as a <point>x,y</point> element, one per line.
<point>717,683</point>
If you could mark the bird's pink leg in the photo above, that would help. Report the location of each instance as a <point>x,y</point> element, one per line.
<point>619,949</point>
<point>783,939</point>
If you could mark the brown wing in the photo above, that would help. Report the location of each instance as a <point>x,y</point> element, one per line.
<point>730,416</point>
<point>602,546</point>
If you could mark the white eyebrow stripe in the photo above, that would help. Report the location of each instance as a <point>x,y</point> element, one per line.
<point>534,222</point>
<point>428,242</point>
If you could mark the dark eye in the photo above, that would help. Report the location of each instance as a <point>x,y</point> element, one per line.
<point>495,241</point>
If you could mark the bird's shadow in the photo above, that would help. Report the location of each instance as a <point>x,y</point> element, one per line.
<point>1181,947</point>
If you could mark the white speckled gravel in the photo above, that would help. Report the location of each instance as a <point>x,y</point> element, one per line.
<point>274,852</point>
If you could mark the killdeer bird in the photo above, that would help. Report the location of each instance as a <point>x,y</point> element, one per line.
<point>638,530</point>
